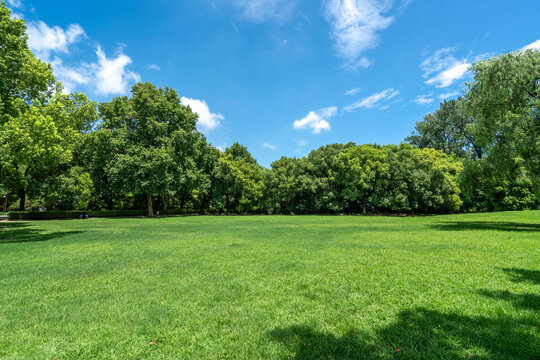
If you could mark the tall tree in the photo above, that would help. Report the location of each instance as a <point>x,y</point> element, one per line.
<point>504,99</point>
<point>24,80</point>
<point>448,130</point>
<point>159,135</point>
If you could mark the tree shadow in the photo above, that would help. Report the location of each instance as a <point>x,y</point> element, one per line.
<point>19,232</point>
<point>12,225</point>
<point>486,225</point>
<point>523,275</point>
<point>420,334</point>
<point>523,301</point>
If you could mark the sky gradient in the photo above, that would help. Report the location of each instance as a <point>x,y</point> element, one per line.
<point>282,77</point>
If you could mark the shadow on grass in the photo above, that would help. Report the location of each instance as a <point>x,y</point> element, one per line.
<point>523,275</point>
<point>420,334</point>
<point>19,232</point>
<point>522,301</point>
<point>486,225</point>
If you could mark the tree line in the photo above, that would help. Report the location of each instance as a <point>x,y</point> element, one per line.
<point>480,152</point>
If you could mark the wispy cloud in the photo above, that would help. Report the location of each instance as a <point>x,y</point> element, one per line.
<point>374,100</point>
<point>260,11</point>
<point>154,67</point>
<point>15,3</point>
<point>269,146</point>
<point>207,119</point>
<point>353,91</point>
<point>424,99</point>
<point>443,69</point>
<point>317,120</point>
<point>355,27</point>
<point>449,95</point>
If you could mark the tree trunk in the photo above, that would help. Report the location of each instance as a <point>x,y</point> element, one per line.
<point>109,203</point>
<point>165,199</point>
<point>22,199</point>
<point>149,205</point>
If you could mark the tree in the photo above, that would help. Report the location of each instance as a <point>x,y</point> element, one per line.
<point>159,137</point>
<point>239,185</point>
<point>447,129</point>
<point>504,100</point>
<point>24,80</point>
<point>39,142</point>
<point>359,172</point>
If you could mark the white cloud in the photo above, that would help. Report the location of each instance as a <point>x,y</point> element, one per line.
<point>269,146</point>
<point>207,120</point>
<point>112,77</point>
<point>317,120</point>
<point>353,91</point>
<point>442,69</point>
<point>259,11</point>
<point>71,77</point>
<point>355,26</point>
<point>154,67</point>
<point>424,99</point>
<point>43,39</point>
<point>301,142</point>
<point>449,95</point>
<point>533,46</point>
<point>373,100</point>
<point>106,76</point>
<point>15,3</point>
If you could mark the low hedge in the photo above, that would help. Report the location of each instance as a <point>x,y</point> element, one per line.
<point>46,215</point>
<point>76,214</point>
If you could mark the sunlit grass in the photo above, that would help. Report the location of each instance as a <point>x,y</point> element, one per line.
<point>302,287</point>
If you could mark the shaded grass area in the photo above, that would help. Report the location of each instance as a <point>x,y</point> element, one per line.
<point>280,287</point>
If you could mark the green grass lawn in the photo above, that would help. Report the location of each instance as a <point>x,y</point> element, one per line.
<point>280,287</point>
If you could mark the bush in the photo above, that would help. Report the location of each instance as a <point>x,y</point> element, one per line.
<point>75,214</point>
<point>46,215</point>
<point>116,213</point>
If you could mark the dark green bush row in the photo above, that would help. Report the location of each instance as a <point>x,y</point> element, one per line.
<point>47,215</point>
<point>76,214</point>
<point>73,214</point>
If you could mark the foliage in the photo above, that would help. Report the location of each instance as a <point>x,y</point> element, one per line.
<point>24,80</point>
<point>448,130</point>
<point>504,99</point>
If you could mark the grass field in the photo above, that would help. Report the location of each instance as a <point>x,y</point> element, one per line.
<point>280,287</point>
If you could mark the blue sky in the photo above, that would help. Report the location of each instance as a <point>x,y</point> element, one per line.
<point>282,77</point>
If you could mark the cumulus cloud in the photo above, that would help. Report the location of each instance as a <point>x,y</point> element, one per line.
<point>353,91</point>
<point>269,146</point>
<point>259,11</point>
<point>317,120</point>
<point>533,46</point>
<point>355,27</point>
<point>112,76</point>
<point>374,100</point>
<point>107,76</point>
<point>43,39</point>
<point>104,76</point>
<point>207,119</point>
<point>424,99</point>
<point>442,69</point>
